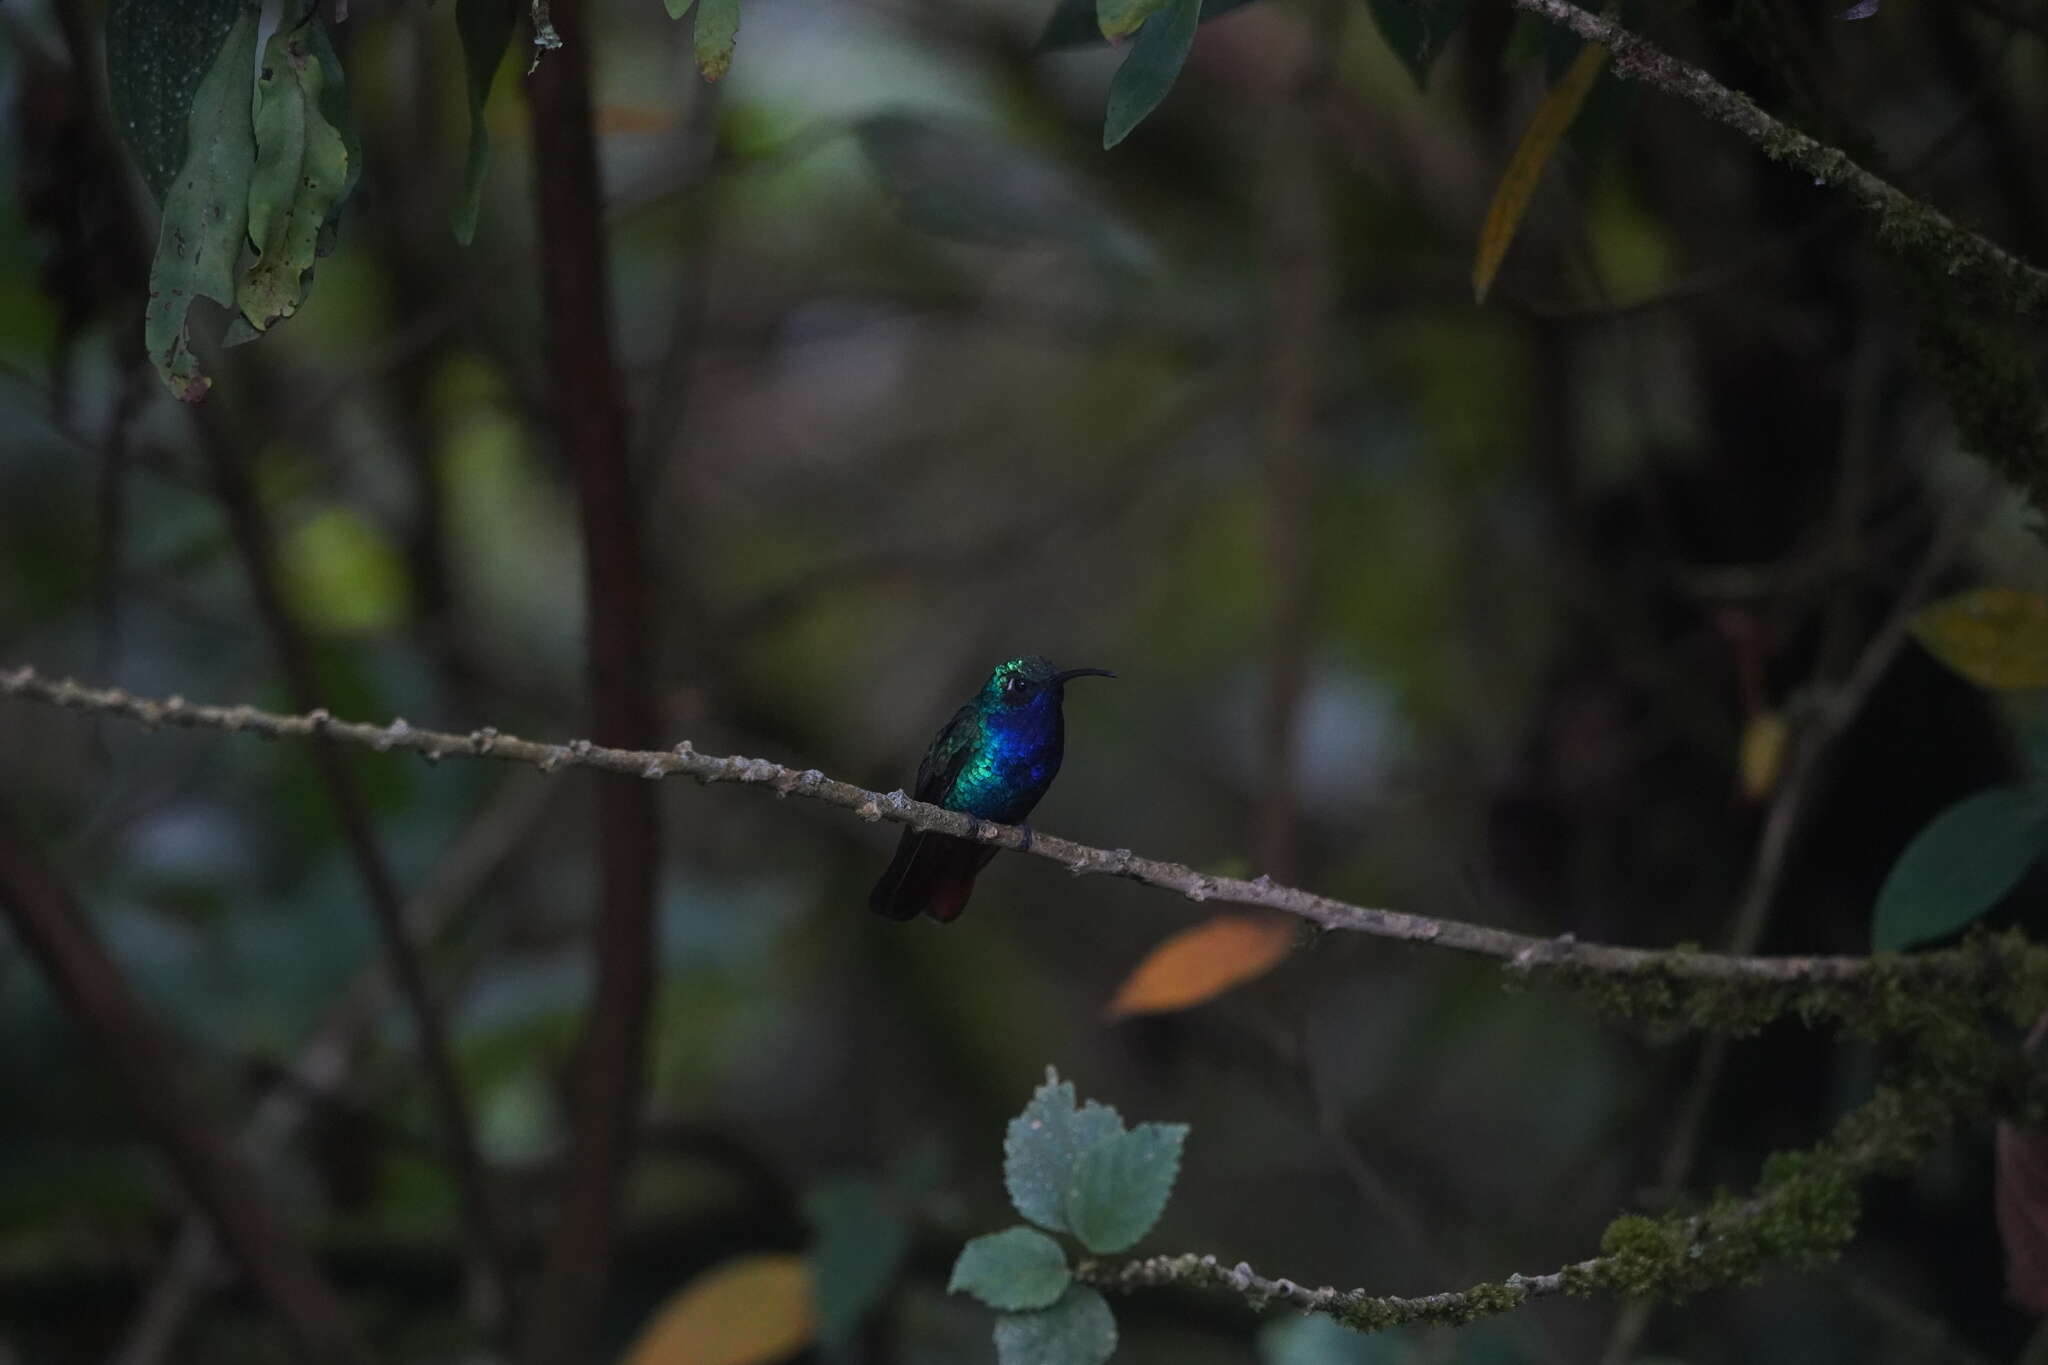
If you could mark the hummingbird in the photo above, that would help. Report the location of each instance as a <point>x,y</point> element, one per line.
<point>993,761</point>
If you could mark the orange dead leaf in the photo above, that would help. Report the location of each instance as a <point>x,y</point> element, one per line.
<point>747,1311</point>
<point>1199,964</point>
<point>1525,169</point>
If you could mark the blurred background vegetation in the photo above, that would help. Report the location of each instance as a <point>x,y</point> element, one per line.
<point>921,378</point>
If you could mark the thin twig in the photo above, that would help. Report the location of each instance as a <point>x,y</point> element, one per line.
<point>1901,219</point>
<point>1710,1248</point>
<point>1782,826</point>
<point>1298,255</point>
<point>157,1082</point>
<point>256,542</point>
<point>498,833</point>
<point>1524,953</point>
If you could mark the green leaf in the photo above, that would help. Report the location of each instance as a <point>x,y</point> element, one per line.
<point>1121,1185</point>
<point>334,108</point>
<point>677,8</point>
<point>1960,865</point>
<point>158,52</point>
<point>1117,18</point>
<point>1013,1269</point>
<point>1043,1145</point>
<point>718,25</point>
<point>486,29</point>
<point>1078,23</point>
<point>206,210</point>
<point>1313,1339</point>
<point>302,171</point>
<point>1149,72</point>
<point>1078,1330</point>
<point>859,1247</point>
<point>1418,30</point>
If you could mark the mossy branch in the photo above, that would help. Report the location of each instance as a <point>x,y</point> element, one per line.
<point>1802,1213</point>
<point>1680,987</point>
<point>1902,220</point>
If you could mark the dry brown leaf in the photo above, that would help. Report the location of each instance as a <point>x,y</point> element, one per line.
<point>1525,169</point>
<point>747,1311</point>
<point>1199,964</point>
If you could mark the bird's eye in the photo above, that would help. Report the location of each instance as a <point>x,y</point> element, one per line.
<point>1014,687</point>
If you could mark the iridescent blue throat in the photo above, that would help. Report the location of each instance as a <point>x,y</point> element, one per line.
<point>1016,760</point>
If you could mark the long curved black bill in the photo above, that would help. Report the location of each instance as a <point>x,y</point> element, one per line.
<point>1082,673</point>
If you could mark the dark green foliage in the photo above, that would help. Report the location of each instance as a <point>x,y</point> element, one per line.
<point>1150,70</point>
<point>1073,24</point>
<point>158,51</point>
<point>1016,1269</point>
<point>1960,865</point>
<point>486,29</point>
<point>1418,30</point>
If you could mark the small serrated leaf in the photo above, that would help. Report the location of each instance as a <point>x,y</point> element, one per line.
<point>1995,637</point>
<point>718,27</point>
<point>1960,865</point>
<point>486,29</point>
<point>1078,1330</point>
<point>1017,1268</point>
<point>1154,63</point>
<point>1042,1144</point>
<point>1518,183</point>
<point>1121,1185</point>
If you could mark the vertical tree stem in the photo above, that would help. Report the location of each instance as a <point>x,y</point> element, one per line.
<point>590,423</point>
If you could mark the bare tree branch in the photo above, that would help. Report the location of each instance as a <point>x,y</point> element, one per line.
<point>258,548</point>
<point>590,423</point>
<point>1804,1211</point>
<point>1901,219</point>
<point>1524,953</point>
<point>497,835</point>
<point>213,1170</point>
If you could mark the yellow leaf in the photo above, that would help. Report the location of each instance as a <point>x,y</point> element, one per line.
<point>1199,964</point>
<point>1763,754</point>
<point>1995,637</point>
<point>1525,169</point>
<point>746,1312</point>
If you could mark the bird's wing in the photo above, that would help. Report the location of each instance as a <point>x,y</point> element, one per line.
<point>947,756</point>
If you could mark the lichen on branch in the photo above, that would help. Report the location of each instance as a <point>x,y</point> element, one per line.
<point>1902,221</point>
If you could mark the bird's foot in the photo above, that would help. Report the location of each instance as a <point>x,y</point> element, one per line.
<point>1025,846</point>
